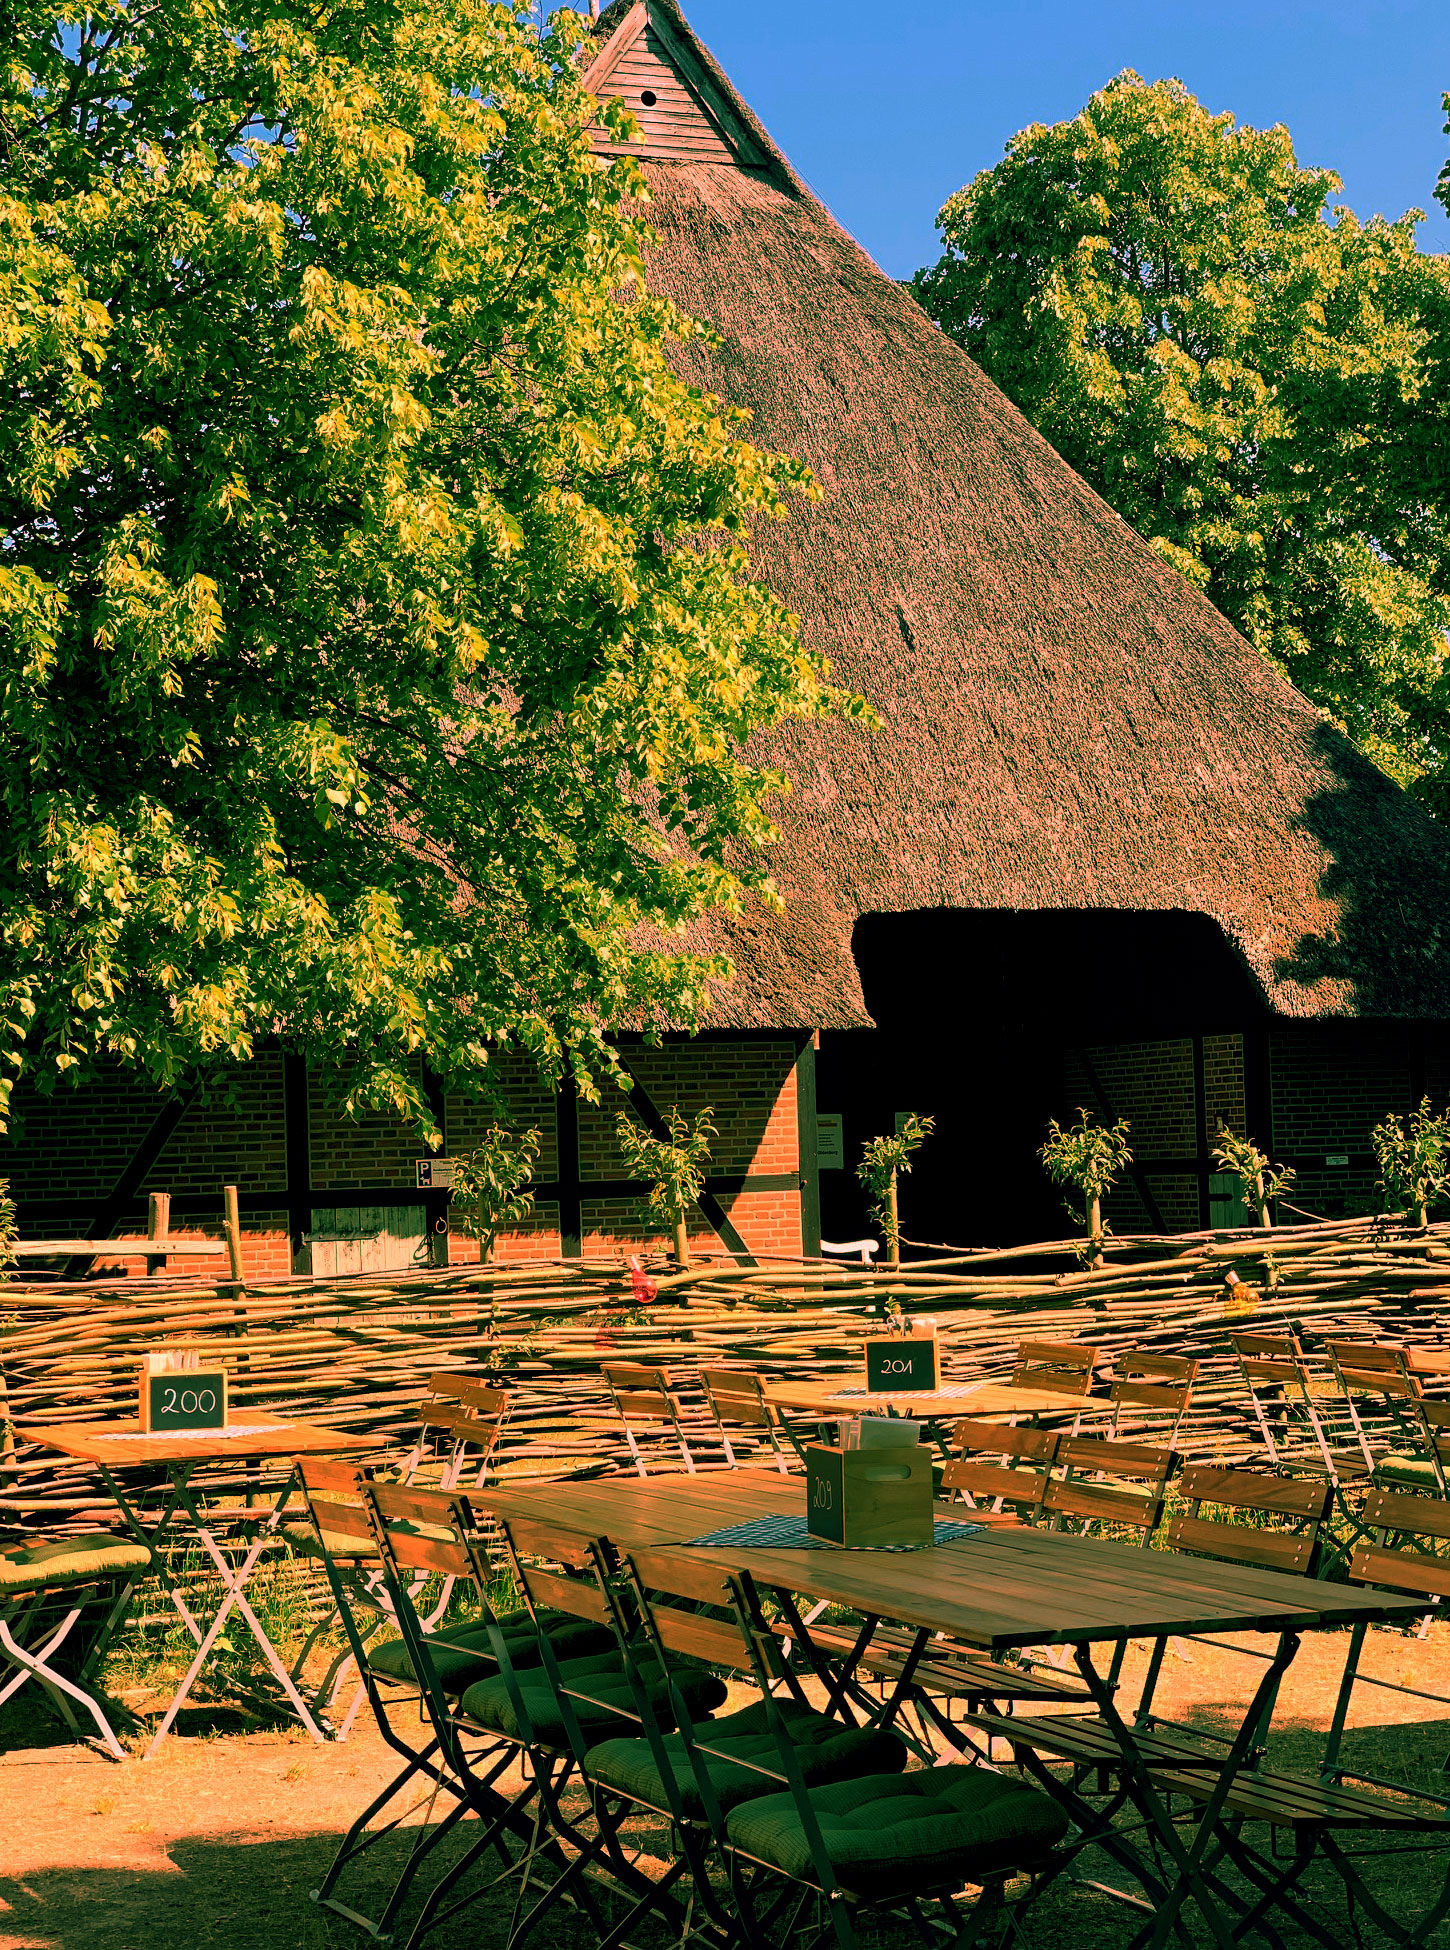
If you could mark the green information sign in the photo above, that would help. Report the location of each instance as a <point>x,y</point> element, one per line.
<point>191,1398</point>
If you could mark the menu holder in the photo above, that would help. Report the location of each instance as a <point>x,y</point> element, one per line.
<point>178,1392</point>
<point>904,1364</point>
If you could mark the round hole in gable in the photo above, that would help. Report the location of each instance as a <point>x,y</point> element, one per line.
<point>649,97</point>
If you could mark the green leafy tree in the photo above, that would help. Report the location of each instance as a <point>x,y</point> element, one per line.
<point>1087,1158</point>
<point>1414,1160</point>
<point>1259,1180</point>
<point>882,1162</point>
<point>673,1166</point>
<point>490,1185</point>
<point>1261,387</point>
<point>377,641</point>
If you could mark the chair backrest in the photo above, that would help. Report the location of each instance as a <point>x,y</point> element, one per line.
<point>1300,1504</point>
<point>1108,1482</point>
<point>1381,1397</point>
<point>1056,1367</point>
<point>1150,1393</point>
<point>334,1494</point>
<point>425,1530</point>
<point>987,1471</point>
<point>471,1414</point>
<point>1392,1514</point>
<point>736,1395</point>
<point>641,1393</point>
<point>670,1586</point>
<point>1288,1405</point>
<point>557,1570</point>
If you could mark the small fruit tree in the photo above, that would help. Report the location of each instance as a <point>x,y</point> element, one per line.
<point>1414,1160</point>
<point>1086,1158</point>
<point>490,1184</point>
<point>1259,1181</point>
<point>882,1162</point>
<point>673,1167</point>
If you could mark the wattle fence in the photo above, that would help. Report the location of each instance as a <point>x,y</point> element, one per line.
<point>357,1352</point>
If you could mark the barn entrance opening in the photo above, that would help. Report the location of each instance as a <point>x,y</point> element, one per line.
<point>993,1022</point>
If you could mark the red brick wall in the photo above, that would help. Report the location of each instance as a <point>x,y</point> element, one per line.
<point>75,1146</point>
<point>1223,1084</point>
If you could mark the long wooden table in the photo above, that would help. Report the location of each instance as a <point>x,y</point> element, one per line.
<point>1000,1590</point>
<point>252,1436</point>
<point>831,1400</point>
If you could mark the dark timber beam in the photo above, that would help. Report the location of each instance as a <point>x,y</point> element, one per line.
<point>108,1215</point>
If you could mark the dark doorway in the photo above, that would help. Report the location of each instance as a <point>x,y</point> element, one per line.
<point>980,1014</point>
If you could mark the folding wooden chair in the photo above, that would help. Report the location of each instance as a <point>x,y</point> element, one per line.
<point>1150,1394</point>
<point>987,1469</point>
<point>737,1396</point>
<point>465,1419</point>
<point>46,1587</point>
<point>1398,1430</point>
<point>1410,1551</point>
<point>1064,1368</point>
<point>1297,1510</point>
<point>569,1706</point>
<point>642,1398</point>
<point>1290,1407</point>
<point>460,1652</point>
<point>1120,1485</point>
<point>785,1828</point>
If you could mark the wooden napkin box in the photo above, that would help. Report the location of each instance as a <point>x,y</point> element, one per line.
<point>859,1497</point>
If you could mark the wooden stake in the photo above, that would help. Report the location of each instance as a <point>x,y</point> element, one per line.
<point>234,1234</point>
<point>158,1226</point>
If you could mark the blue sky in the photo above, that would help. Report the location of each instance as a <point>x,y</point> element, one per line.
<point>885,109</point>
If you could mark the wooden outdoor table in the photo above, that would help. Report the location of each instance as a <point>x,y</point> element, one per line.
<point>832,1399</point>
<point>119,1446</point>
<point>1000,1590</point>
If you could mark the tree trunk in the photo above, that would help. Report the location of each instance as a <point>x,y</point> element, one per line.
<point>893,1226</point>
<point>682,1242</point>
<point>1424,1214</point>
<point>1095,1230</point>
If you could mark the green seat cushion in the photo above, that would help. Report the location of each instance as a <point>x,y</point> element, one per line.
<point>303,1538</point>
<point>601,1675</point>
<point>889,1835</point>
<point>462,1651</point>
<point>70,1560</point>
<point>1408,1469</point>
<point>826,1750</point>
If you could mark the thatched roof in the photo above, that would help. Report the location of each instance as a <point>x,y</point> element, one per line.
<point>1069,724</point>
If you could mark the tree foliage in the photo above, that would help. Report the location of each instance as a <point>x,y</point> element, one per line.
<point>491,1184</point>
<point>376,635</point>
<point>673,1166</point>
<point>1414,1160</point>
<point>1259,385</point>
<point>1086,1158</point>
<point>883,1160</point>
<point>1260,1181</point>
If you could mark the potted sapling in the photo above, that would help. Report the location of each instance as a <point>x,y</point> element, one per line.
<point>1086,1158</point>
<point>673,1166</point>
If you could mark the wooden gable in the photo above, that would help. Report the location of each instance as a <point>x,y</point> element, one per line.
<point>682,113</point>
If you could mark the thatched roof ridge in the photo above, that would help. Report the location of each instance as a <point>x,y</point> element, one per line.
<point>1069,723</point>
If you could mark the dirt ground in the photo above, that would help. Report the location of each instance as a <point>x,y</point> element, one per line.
<point>220,1839</point>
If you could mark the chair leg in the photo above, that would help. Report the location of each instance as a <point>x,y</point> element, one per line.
<point>60,1688</point>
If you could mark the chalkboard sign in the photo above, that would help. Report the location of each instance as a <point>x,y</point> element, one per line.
<point>188,1398</point>
<point>900,1365</point>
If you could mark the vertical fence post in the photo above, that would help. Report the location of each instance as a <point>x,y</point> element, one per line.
<point>158,1226</point>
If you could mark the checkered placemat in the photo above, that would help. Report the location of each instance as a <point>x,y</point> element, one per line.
<point>786,1533</point>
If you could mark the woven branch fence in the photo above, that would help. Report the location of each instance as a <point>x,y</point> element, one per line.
<point>357,1352</point>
